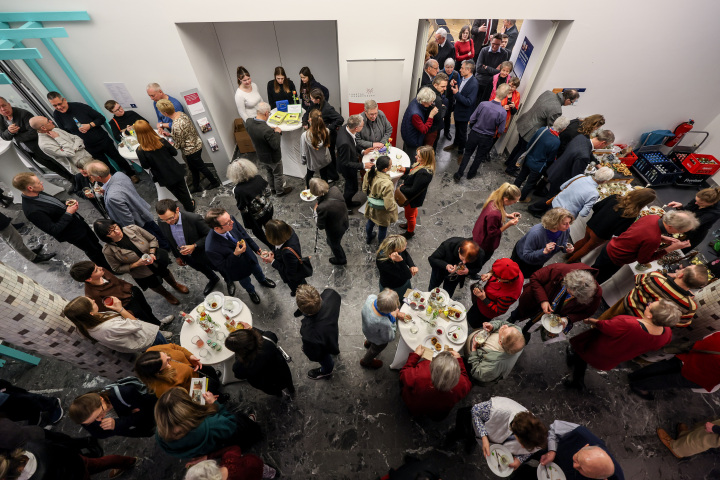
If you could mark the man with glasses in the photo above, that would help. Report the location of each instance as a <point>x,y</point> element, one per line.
<point>233,252</point>
<point>376,127</point>
<point>186,233</point>
<point>432,67</point>
<point>15,127</point>
<point>446,48</point>
<point>85,122</point>
<point>121,119</point>
<point>488,61</point>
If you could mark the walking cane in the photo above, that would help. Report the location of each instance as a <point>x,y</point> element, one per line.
<point>316,238</point>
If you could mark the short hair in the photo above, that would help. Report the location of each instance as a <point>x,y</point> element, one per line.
<point>680,220</point>
<point>370,105</point>
<point>83,162</point>
<point>561,123</point>
<point>449,61</point>
<point>605,136</point>
<point>603,174</point>
<point>110,105</point>
<point>511,21</point>
<point>211,217</point>
<point>53,95</point>
<point>514,341</point>
<point>695,276</point>
<point>444,372</point>
<point>468,63</point>
<point>97,168</point>
<point>554,217</point>
<point>430,63</point>
<point>498,36</point>
<point>581,285</point>
<point>440,77</point>
<point>85,405</point>
<point>22,180</point>
<point>246,344</point>
<point>425,95</point>
<point>319,187</point>
<point>165,205</point>
<point>514,82</point>
<point>263,108</point>
<point>388,301</point>
<point>308,299</point>
<point>502,91</point>
<point>442,32</point>
<point>165,106</point>
<point>102,227</point>
<point>529,430</point>
<point>81,271</point>
<point>241,170</point>
<point>278,232</point>
<point>205,470</point>
<point>505,36</point>
<point>153,86</point>
<point>571,94</point>
<point>354,121</point>
<point>665,313</point>
<point>470,250</point>
<point>506,64</point>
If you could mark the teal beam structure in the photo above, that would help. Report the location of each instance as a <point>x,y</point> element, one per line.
<point>44,16</point>
<point>33,65</point>
<point>5,80</point>
<point>25,33</point>
<point>17,354</point>
<point>19,53</point>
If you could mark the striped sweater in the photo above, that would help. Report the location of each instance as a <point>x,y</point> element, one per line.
<point>650,287</point>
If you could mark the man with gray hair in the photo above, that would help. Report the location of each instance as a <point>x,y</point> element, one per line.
<point>348,155</point>
<point>446,48</point>
<point>155,92</point>
<point>267,145</point>
<point>580,193</point>
<point>429,71</point>
<point>59,144</point>
<point>376,127</point>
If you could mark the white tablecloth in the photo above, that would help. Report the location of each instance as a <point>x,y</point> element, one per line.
<point>222,360</point>
<point>290,147</point>
<point>403,161</point>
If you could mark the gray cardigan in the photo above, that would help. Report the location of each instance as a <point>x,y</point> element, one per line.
<point>314,159</point>
<point>546,109</point>
<point>378,131</point>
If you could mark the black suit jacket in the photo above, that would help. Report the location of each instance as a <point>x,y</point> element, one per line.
<point>447,254</point>
<point>445,52</point>
<point>26,135</point>
<point>265,140</point>
<point>426,80</point>
<point>512,34</point>
<point>348,153</point>
<point>478,36</point>
<point>54,220</point>
<point>220,252</point>
<point>195,231</point>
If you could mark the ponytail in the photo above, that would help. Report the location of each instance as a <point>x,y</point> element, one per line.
<point>382,163</point>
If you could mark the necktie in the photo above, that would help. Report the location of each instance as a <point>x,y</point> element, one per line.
<point>488,22</point>
<point>231,237</point>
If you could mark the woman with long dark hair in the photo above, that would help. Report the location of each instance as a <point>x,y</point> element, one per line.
<point>163,367</point>
<point>314,147</point>
<point>307,85</point>
<point>280,88</point>
<point>333,121</point>
<point>286,256</point>
<point>381,209</point>
<point>259,361</point>
<point>247,95</point>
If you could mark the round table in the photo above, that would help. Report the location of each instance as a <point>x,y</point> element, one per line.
<point>408,341</point>
<point>221,360</point>
<point>403,161</point>
<point>131,155</point>
<point>290,147</point>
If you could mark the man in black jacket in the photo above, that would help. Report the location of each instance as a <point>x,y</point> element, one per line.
<point>438,86</point>
<point>431,69</point>
<point>482,31</point>
<point>348,154</point>
<point>319,327</point>
<point>57,219</point>
<point>489,60</point>
<point>510,29</point>
<point>332,216</point>
<point>186,233</point>
<point>15,126</point>
<point>446,48</point>
<point>266,141</point>
<point>121,119</point>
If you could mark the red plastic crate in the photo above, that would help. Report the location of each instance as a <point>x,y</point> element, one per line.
<point>630,159</point>
<point>693,164</point>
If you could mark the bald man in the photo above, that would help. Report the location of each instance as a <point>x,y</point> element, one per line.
<point>59,144</point>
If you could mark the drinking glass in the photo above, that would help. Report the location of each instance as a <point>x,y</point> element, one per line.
<point>197,341</point>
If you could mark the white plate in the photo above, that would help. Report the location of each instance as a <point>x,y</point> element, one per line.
<point>460,307</point>
<point>311,198</point>
<point>545,321</point>
<point>231,307</point>
<point>427,344</point>
<point>462,334</point>
<point>557,474</point>
<point>493,461</point>
<point>217,297</point>
<point>443,293</point>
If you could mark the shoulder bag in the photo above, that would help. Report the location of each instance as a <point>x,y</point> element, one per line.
<point>261,206</point>
<point>521,158</point>
<point>550,200</point>
<point>306,267</point>
<point>402,200</point>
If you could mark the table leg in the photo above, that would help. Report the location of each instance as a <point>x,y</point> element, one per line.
<point>401,354</point>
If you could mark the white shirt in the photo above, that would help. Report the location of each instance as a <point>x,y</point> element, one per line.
<point>247,102</point>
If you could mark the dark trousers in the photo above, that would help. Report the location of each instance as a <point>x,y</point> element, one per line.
<point>324,174</point>
<point>246,283</point>
<point>481,143</point>
<point>181,192</point>
<point>106,149</point>
<point>661,376</point>
<point>332,168</point>
<point>202,264</point>
<point>256,226</point>
<point>532,179</point>
<point>247,434</point>
<point>138,306</point>
<point>351,184</point>
<point>541,206</point>
<point>108,462</point>
<point>51,164</point>
<point>197,166</point>
<point>484,93</point>
<point>519,149</point>
<point>153,228</point>
<point>605,267</point>
<point>411,150</point>
<point>23,405</point>
<point>474,318</point>
<point>448,116</point>
<point>327,364</point>
<point>460,136</point>
<point>438,277</point>
<point>335,243</point>
<point>90,244</point>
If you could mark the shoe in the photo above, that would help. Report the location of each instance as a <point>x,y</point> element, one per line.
<point>297,313</point>
<point>18,226</point>
<point>170,298</point>
<point>366,344</point>
<point>56,414</point>
<point>350,212</point>
<point>268,283</point>
<point>374,365</point>
<point>43,257</point>
<point>284,192</point>
<point>470,176</point>
<point>135,179</point>
<point>459,159</point>
<point>644,394</point>
<point>525,200</point>
<point>450,148</point>
<point>197,189</point>
<point>369,239</point>
<point>448,136</point>
<point>210,286</point>
<point>166,320</point>
<point>270,472</point>
<point>681,428</point>
<point>254,297</point>
<point>335,261</point>
<point>179,287</point>
<point>667,440</point>
<point>116,472</point>
<point>457,177</point>
<point>579,386</point>
<point>512,172</point>
<point>316,374</point>
<point>231,289</point>
<point>215,185</point>
<point>570,356</point>
<point>403,226</point>
<point>94,450</point>
<point>408,235</point>
<point>168,335</point>
<point>37,249</point>
<point>354,204</point>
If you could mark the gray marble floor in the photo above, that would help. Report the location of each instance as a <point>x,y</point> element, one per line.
<point>355,425</point>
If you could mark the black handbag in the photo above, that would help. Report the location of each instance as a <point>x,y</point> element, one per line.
<point>261,206</point>
<point>306,267</point>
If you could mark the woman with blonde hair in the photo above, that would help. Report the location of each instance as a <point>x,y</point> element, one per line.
<point>491,223</point>
<point>157,155</point>
<point>382,209</point>
<point>314,144</point>
<point>544,240</point>
<point>395,265</point>
<point>415,186</point>
<point>186,429</point>
<point>118,330</point>
<point>707,211</point>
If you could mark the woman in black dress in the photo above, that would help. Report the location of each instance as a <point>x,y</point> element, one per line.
<point>252,197</point>
<point>286,256</point>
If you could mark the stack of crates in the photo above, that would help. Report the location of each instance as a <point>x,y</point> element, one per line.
<point>696,167</point>
<point>656,168</point>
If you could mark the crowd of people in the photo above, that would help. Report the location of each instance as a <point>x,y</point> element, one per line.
<point>477,90</point>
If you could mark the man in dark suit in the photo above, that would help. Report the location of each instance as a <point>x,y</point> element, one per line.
<point>465,94</point>
<point>186,233</point>
<point>431,69</point>
<point>348,155</point>
<point>446,48</point>
<point>233,252</point>
<point>510,29</point>
<point>57,219</point>
<point>266,141</point>
<point>482,31</point>
<point>15,126</point>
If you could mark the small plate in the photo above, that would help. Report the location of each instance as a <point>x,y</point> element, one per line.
<point>545,321</point>
<point>232,307</point>
<point>307,196</point>
<point>460,307</point>
<point>216,297</point>
<point>493,461</point>
<point>543,474</point>
<point>427,343</point>
<point>443,294</point>
<point>461,333</point>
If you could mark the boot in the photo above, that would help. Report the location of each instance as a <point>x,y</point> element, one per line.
<point>174,284</point>
<point>166,295</point>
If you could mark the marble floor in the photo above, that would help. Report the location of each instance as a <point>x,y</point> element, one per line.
<point>355,425</point>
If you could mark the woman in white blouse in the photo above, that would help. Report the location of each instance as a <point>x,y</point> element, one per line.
<point>247,96</point>
<point>118,330</point>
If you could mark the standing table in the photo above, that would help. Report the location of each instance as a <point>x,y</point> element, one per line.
<point>399,158</point>
<point>290,147</point>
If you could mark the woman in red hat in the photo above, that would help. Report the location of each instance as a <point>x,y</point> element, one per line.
<point>503,286</point>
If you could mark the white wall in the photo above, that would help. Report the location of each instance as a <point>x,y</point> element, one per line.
<point>629,55</point>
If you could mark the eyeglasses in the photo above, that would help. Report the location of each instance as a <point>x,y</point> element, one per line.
<point>229,222</point>
<point>114,229</point>
<point>116,109</point>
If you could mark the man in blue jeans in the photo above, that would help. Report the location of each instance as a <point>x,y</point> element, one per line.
<point>319,327</point>
<point>484,124</point>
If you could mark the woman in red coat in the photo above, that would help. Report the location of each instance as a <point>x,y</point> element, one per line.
<point>620,339</point>
<point>433,388</point>
<point>491,223</point>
